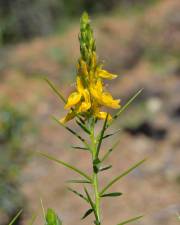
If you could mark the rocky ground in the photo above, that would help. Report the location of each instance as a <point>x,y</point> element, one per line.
<point>144,50</point>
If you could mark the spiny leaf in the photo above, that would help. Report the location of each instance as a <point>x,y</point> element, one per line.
<point>101,136</point>
<point>89,198</point>
<point>130,220</point>
<point>83,127</point>
<point>71,131</point>
<point>52,218</point>
<point>109,151</point>
<point>121,175</point>
<point>105,168</point>
<point>124,107</point>
<point>96,165</point>
<point>81,148</point>
<point>66,165</point>
<point>109,135</point>
<point>15,218</point>
<point>87,213</point>
<point>78,194</point>
<point>91,203</point>
<point>55,90</point>
<point>127,104</point>
<point>79,181</point>
<point>112,194</point>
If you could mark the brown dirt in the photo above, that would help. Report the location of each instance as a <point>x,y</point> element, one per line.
<point>153,189</point>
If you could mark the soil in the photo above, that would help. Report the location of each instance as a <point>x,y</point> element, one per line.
<point>144,50</point>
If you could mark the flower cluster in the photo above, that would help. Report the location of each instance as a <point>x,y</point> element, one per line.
<point>90,94</point>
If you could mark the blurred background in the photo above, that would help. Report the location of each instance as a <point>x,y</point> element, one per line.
<point>137,39</point>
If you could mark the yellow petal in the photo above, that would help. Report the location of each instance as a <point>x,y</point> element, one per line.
<point>96,90</point>
<point>106,75</point>
<point>104,98</point>
<point>83,68</point>
<point>86,95</point>
<point>93,60</point>
<point>79,84</point>
<point>73,99</point>
<point>102,115</point>
<point>84,107</point>
<point>68,117</point>
<point>86,104</point>
<point>107,100</point>
<point>99,86</point>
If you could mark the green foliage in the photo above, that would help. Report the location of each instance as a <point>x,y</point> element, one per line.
<point>121,176</point>
<point>94,141</point>
<point>67,165</point>
<point>94,149</point>
<point>15,218</point>
<point>13,128</point>
<point>52,218</point>
<point>130,220</point>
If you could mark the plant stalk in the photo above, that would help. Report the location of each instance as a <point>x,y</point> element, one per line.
<point>95,176</point>
<point>97,198</point>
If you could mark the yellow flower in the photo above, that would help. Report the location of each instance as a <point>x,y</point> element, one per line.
<point>104,98</point>
<point>83,68</point>
<point>105,74</point>
<point>85,104</point>
<point>90,94</point>
<point>73,99</point>
<point>103,115</point>
<point>80,98</point>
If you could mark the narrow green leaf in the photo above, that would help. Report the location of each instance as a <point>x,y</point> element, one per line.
<point>105,168</point>
<point>112,194</point>
<point>128,103</point>
<point>52,218</point>
<point>122,109</point>
<point>130,220</point>
<point>109,135</point>
<point>83,127</point>
<point>80,148</point>
<point>79,181</point>
<point>121,175</point>
<point>78,194</point>
<point>96,165</point>
<point>55,90</point>
<point>81,119</point>
<point>106,155</point>
<point>101,137</point>
<point>87,213</point>
<point>91,203</point>
<point>32,220</point>
<point>71,131</point>
<point>66,165</point>
<point>15,218</point>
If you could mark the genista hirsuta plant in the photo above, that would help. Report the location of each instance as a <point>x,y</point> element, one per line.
<point>84,105</point>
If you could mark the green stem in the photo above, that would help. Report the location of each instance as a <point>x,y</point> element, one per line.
<point>95,176</point>
<point>97,197</point>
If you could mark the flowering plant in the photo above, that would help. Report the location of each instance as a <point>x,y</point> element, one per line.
<point>84,105</point>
